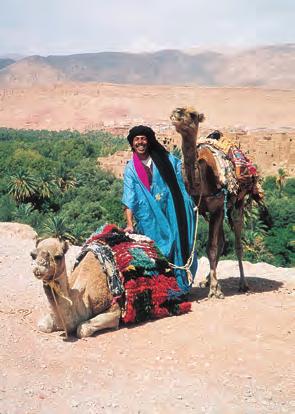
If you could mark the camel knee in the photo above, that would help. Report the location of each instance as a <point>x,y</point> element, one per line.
<point>108,320</point>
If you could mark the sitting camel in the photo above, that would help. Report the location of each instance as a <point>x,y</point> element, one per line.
<point>203,185</point>
<point>81,303</point>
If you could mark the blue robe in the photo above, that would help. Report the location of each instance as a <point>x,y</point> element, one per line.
<point>155,215</point>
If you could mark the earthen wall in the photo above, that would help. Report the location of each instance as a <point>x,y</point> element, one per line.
<point>269,150</point>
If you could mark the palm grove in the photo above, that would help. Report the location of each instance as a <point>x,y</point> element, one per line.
<point>51,181</point>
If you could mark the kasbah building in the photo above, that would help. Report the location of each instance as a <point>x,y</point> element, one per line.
<point>268,149</point>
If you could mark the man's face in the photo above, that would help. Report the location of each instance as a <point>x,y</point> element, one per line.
<point>140,145</point>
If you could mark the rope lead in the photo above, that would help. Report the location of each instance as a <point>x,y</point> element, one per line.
<point>190,260</point>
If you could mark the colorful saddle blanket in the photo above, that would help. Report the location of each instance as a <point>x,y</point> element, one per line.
<point>234,170</point>
<point>139,276</point>
<point>244,168</point>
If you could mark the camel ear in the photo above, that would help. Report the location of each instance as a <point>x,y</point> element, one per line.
<point>201,117</point>
<point>65,246</point>
<point>38,240</point>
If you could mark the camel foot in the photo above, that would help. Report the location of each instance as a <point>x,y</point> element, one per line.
<point>243,288</point>
<point>47,324</point>
<point>216,293</point>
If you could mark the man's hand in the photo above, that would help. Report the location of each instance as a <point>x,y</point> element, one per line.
<point>129,218</point>
<point>129,229</point>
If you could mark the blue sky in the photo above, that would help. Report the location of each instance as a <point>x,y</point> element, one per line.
<point>76,26</point>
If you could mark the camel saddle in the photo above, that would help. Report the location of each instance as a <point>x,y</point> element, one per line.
<point>232,169</point>
<point>139,276</point>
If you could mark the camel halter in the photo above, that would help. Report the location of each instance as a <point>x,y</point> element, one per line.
<point>55,289</point>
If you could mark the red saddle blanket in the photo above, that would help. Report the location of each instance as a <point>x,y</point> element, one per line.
<point>150,287</point>
<point>244,168</point>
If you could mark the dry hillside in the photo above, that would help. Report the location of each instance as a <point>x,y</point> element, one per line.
<point>93,106</point>
<point>268,66</point>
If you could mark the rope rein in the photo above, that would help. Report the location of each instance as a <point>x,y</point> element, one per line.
<point>55,289</point>
<point>190,260</point>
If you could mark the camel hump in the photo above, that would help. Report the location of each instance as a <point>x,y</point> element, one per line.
<point>205,153</point>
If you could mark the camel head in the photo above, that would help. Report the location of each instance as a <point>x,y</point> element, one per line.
<point>49,259</point>
<point>186,120</point>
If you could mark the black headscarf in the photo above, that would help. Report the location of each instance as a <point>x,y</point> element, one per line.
<point>159,156</point>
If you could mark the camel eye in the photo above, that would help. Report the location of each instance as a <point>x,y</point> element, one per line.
<point>58,257</point>
<point>33,255</point>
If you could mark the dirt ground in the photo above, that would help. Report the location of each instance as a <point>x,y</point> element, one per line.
<point>226,356</point>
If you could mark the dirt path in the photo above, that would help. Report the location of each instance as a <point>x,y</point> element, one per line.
<point>227,356</point>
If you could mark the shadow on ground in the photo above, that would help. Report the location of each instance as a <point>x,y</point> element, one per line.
<point>230,287</point>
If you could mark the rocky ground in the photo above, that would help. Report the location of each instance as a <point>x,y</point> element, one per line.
<point>226,356</point>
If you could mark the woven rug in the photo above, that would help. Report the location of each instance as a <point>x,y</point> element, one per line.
<point>150,289</point>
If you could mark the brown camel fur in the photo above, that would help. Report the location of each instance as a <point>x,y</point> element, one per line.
<point>202,184</point>
<point>79,304</point>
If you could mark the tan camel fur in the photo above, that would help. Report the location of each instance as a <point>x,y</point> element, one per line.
<point>81,303</point>
<point>202,184</point>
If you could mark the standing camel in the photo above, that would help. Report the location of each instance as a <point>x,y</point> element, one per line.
<point>202,184</point>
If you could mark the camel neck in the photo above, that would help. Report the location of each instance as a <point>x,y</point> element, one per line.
<point>189,144</point>
<point>189,150</point>
<point>60,298</point>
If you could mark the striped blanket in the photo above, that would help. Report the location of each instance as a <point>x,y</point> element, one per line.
<point>140,279</point>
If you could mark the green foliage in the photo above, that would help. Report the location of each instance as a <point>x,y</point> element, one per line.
<point>281,180</point>
<point>22,186</point>
<point>45,174</point>
<point>55,226</point>
<point>7,208</point>
<point>281,242</point>
<point>177,152</point>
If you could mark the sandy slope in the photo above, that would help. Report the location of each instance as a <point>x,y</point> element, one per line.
<point>230,356</point>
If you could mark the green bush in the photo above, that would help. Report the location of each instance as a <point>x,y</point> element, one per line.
<point>46,174</point>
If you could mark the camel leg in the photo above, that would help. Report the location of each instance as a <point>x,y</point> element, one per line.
<point>237,226</point>
<point>106,320</point>
<point>206,282</point>
<point>49,324</point>
<point>214,249</point>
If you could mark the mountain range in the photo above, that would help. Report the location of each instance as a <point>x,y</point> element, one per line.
<point>268,66</point>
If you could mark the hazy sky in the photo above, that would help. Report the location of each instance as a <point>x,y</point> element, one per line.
<point>72,26</point>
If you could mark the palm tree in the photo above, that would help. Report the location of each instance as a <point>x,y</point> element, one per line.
<point>22,186</point>
<point>65,180</point>
<point>46,186</point>
<point>281,180</point>
<point>23,210</point>
<point>254,233</point>
<point>55,226</point>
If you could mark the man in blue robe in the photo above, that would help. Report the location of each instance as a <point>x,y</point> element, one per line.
<point>155,196</point>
